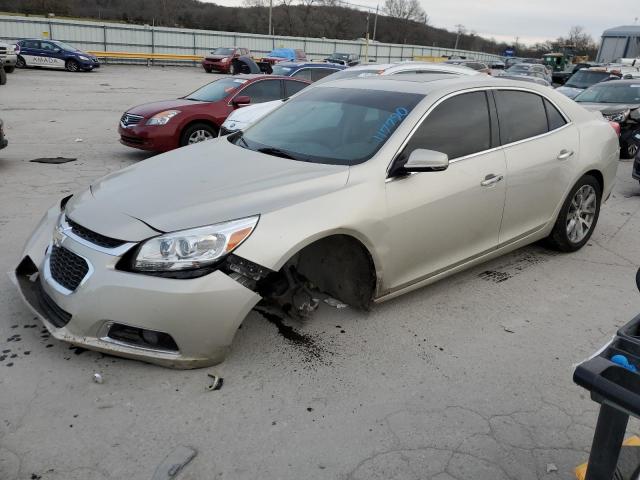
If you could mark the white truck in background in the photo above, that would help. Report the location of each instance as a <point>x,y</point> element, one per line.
<point>8,56</point>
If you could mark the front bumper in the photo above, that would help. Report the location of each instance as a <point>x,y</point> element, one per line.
<point>217,66</point>
<point>10,60</point>
<point>201,315</point>
<point>151,138</point>
<point>89,65</point>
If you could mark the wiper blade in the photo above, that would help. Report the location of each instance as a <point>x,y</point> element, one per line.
<point>276,152</point>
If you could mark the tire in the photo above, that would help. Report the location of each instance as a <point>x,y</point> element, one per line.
<point>196,133</point>
<point>72,66</point>
<point>9,69</point>
<point>20,63</point>
<point>208,70</point>
<point>566,236</point>
<point>3,77</point>
<point>628,150</point>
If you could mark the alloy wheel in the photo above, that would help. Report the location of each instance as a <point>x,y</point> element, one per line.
<point>632,150</point>
<point>582,211</point>
<point>199,136</point>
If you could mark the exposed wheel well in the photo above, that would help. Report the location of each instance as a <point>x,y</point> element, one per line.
<point>598,176</point>
<point>339,265</point>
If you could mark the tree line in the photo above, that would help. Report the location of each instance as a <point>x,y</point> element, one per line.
<point>398,21</point>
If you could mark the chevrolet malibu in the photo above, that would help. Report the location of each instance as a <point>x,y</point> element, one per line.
<point>367,188</point>
<point>168,124</point>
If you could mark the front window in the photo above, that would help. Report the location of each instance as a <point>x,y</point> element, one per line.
<point>613,92</point>
<point>65,46</point>
<point>586,78</point>
<point>223,51</point>
<point>216,91</point>
<point>338,126</point>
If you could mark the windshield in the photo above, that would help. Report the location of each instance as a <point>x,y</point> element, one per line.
<point>64,46</point>
<point>337,126</point>
<point>223,51</point>
<point>215,91</point>
<point>586,78</point>
<point>282,70</point>
<point>611,92</point>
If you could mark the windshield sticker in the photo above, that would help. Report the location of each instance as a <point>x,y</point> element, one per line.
<point>237,80</point>
<point>390,123</point>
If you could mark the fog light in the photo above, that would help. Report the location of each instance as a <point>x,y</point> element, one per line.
<point>139,337</point>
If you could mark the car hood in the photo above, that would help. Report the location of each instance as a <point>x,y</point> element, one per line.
<point>149,109</point>
<point>251,113</point>
<point>571,92</point>
<point>202,184</point>
<point>608,108</point>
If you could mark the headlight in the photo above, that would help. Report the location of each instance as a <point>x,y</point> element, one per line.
<point>194,248</point>
<point>82,57</point>
<point>225,59</point>
<point>619,117</point>
<point>162,118</point>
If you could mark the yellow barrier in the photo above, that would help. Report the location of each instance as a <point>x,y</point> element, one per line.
<point>427,58</point>
<point>146,56</point>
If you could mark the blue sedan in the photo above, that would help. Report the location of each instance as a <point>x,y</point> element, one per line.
<point>306,70</point>
<point>54,54</point>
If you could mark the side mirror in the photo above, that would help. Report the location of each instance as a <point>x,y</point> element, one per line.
<point>241,101</point>
<point>421,160</point>
<point>638,279</point>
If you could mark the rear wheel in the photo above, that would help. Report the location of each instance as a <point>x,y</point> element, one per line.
<point>9,69</point>
<point>196,133</point>
<point>72,66</point>
<point>628,150</point>
<point>20,63</point>
<point>578,216</point>
<point>208,70</point>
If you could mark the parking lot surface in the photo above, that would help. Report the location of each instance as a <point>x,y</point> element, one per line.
<point>470,378</point>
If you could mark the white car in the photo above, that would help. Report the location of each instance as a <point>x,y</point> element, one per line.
<point>245,116</point>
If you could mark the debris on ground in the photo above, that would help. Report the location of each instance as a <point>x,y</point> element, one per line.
<point>174,463</point>
<point>53,160</point>
<point>78,140</point>
<point>508,330</point>
<point>216,382</point>
<point>551,467</point>
<point>98,378</point>
<point>332,302</point>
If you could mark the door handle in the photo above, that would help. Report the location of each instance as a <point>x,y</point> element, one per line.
<point>491,179</point>
<point>565,154</point>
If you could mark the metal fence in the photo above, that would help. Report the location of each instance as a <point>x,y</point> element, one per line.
<point>89,35</point>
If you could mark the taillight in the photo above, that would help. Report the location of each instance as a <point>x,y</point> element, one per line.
<point>616,127</point>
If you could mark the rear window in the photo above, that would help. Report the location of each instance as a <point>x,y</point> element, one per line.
<point>586,78</point>
<point>216,91</point>
<point>349,73</point>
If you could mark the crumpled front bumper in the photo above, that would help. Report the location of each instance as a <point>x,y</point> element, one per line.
<point>201,315</point>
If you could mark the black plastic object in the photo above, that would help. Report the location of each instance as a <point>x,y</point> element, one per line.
<point>617,388</point>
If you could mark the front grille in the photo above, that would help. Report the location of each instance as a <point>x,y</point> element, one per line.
<point>129,119</point>
<point>93,237</point>
<point>67,268</point>
<point>56,315</point>
<point>132,140</point>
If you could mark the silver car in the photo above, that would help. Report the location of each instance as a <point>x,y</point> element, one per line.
<point>365,188</point>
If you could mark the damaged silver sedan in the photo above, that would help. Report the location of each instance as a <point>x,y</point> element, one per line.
<point>365,188</point>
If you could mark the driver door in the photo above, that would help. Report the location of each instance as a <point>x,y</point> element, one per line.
<point>438,220</point>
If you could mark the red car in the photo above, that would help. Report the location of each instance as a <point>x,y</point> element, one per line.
<point>165,125</point>
<point>221,59</point>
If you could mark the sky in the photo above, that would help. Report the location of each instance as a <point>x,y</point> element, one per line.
<point>531,21</point>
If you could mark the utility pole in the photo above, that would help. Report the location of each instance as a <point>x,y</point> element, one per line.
<point>366,48</point>
<point>270,15</point>
<point>375,23</point>
<point>460,28</point>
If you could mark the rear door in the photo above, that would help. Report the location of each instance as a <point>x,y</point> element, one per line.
<point>438,220</point>
<point>541,147</point>
<point>30,51</point>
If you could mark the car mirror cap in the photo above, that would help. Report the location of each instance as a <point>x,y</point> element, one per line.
<point>422,160</point>
<point>241,100</point>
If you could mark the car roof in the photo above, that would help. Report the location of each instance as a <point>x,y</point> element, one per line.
<point>619,82</point>
<point>310,64</point>
<point>391,68</point>
<point>433,84</point>
<point>259,76</point>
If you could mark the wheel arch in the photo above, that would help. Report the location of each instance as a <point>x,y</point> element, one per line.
<point>192,121</point>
